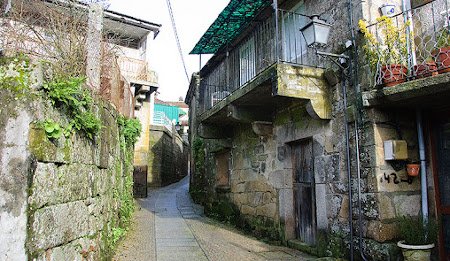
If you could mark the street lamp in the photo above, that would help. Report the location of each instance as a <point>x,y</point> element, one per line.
<point>316,34</point>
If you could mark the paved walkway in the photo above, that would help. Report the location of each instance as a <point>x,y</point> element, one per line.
<point>170,227</point>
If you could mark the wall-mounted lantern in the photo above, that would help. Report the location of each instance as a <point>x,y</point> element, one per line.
<point>316,32</point>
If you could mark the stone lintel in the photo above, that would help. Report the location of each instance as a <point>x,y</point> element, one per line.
<point>262,128</point>
<point>307,83</point>
<point>208,131</point>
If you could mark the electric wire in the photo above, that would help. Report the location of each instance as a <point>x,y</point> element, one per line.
<point>172,18</point>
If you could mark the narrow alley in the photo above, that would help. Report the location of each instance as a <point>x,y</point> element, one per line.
<point>169,226</point>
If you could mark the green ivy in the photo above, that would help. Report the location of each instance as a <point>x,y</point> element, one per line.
<point>130,129</point>
<point>199,154</point>
<point>70,95</point>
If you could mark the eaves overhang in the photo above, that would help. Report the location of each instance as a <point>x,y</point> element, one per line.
<point>235,17</point>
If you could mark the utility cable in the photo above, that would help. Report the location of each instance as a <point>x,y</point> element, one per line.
<point>169,6</point>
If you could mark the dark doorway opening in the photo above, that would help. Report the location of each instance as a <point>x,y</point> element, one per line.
<point>441,170</point>
<point>140,181</point>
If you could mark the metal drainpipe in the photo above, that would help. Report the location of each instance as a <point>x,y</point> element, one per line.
<point>357,103</point>
<point>423,171</point>
<point>349,174</point>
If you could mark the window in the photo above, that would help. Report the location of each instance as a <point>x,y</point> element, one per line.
<point>247,61</point>
<point>294,45</point>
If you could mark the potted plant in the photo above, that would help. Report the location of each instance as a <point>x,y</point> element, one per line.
<point>418,238</point>
<point>413,169</point>
<point>442,52</point>
<point>387,53</point>
<point>426,69</point>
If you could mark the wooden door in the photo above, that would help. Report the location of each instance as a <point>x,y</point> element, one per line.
<point>304,192</point>
<point>140,181</point>
<point>442,181</point>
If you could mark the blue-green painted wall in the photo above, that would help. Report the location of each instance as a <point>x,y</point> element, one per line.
<point>171,112</point>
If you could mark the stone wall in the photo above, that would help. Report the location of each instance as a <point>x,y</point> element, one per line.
<point>168,157</point>
<point>60,199</point>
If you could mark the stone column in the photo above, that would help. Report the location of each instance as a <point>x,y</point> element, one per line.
<point>94,46</point>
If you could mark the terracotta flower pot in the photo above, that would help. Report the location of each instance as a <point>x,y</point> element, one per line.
<point>425,70</point>
<point>442,58</point>
<point>393,74</point>
<point>413,169</point>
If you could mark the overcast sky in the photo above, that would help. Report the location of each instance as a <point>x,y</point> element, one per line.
<point>192,17</point>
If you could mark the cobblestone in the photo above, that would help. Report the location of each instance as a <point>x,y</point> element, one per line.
<point>169,227</point>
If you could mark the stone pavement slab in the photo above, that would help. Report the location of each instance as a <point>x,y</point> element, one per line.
<point>170,227</point>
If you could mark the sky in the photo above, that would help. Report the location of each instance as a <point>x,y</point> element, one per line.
<point>192,18</point>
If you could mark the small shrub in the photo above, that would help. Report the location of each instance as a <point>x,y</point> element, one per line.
<point>415,232</point>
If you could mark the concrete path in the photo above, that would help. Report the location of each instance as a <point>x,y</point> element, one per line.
<point>170,227</point>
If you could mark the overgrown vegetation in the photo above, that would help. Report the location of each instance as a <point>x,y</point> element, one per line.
<point>198,186</point>
<point>130,129</point>
<point>416,232</point>
<point>77,102</point>
<point>390,44</point>
<point>52,129</point>
<point>199,154</point>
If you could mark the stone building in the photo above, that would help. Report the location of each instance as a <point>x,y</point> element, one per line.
<point>280,132</point>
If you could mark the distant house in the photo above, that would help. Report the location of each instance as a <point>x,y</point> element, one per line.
<point>297,145</point>
<point>125,76</point>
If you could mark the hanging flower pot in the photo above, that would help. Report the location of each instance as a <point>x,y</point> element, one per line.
<point>425,70</point>
<point>442,58</point>
<point>393,74</point>
<point>413,169</point>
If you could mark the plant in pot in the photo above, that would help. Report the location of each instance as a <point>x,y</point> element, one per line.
<point>413,168</point>
<point>442,52</point>
<point>418,238</point>
<point>386,52</point>
<point>426,69</point>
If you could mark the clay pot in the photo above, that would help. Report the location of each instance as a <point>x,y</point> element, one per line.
<point>442,58</point>
<point>393,74</point>
<point>413,169</point>
<point>425,70</point>
<point>415,252</point>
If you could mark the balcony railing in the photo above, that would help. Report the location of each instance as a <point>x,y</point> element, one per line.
<point>260,49</point>
<point>137,70</point>
<point>160,119</point>
<point>413,44</point>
